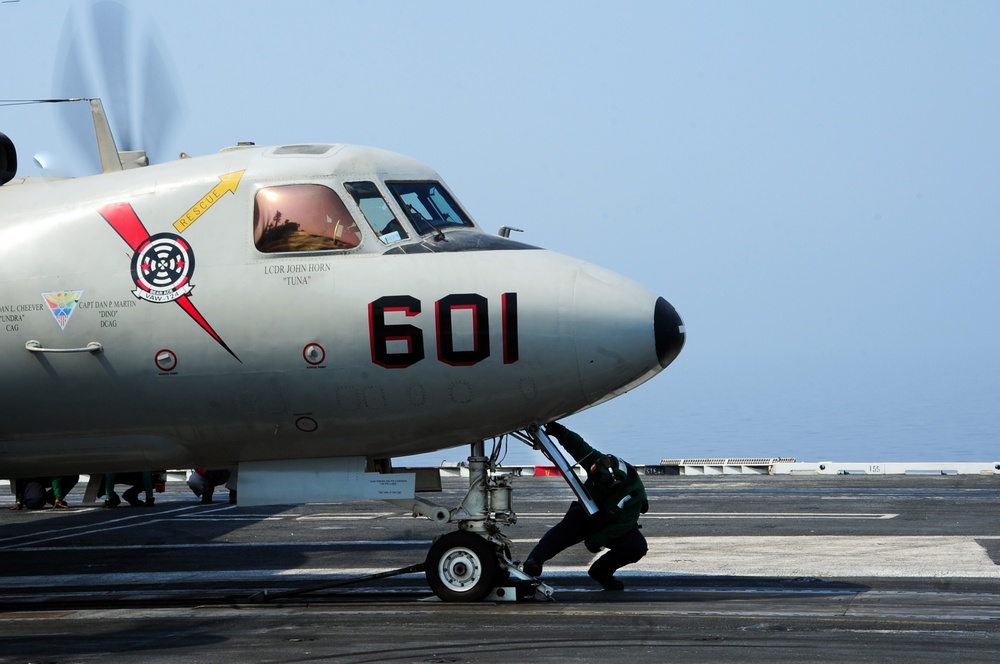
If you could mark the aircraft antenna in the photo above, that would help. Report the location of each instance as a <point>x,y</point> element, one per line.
<point>106,148</point>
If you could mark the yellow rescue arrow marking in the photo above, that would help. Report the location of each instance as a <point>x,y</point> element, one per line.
<point>227,183</point>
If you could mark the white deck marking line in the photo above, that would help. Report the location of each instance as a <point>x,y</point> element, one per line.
<point>199,577</point>
<point>214,509</point>
<point>735,515</point>
<point>90,527</point>
<point>347,516</point>
<point>228,519</point>
<point>226,545</point>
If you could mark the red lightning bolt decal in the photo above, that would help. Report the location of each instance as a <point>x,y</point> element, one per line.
<point>127,224</point>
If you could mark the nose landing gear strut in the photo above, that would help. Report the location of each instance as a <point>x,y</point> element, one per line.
<point>474,562</point>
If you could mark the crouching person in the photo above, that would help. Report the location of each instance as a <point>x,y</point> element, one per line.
<point>620,496</point>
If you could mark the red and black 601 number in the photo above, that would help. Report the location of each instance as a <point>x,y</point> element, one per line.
<point>383,334</point>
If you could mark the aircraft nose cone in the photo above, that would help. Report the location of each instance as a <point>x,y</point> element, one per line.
<point>668,330</point>
<point>623,334</point>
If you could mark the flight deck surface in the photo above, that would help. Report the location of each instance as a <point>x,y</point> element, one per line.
<point>748,568</point>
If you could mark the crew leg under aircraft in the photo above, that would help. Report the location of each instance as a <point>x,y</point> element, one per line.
<point>573,529</point>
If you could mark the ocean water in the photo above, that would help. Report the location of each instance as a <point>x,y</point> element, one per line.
<point>874,407</point>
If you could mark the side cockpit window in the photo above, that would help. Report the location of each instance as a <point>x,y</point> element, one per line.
<point>376,211</point>
<point>428,206</point>
<point>302,217</point>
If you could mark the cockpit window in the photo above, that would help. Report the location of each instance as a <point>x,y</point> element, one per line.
<point>428,206</point>
<point>376,211</point>
<point>302,217</point>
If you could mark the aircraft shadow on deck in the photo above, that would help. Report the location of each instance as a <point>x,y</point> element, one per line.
<point>93,540</point>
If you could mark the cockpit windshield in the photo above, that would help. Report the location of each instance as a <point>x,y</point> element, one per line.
<point>428,206</point>
<point>376,211</point>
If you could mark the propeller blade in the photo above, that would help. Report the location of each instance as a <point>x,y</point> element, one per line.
<point>109,28</point>
<point>161,105</point>
<point>73,80</point>
<point>105,53</point>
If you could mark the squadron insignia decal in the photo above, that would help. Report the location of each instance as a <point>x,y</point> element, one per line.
<point>161,266</point>
<point>62,304</point>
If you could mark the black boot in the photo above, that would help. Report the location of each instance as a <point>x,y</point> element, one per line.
<point>532,567</point>
<point>605,576</point>
<point>132,496</point>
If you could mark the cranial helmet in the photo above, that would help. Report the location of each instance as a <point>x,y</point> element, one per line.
<point>609,471</point>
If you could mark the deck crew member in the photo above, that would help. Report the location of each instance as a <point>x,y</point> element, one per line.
<point>620,497</point>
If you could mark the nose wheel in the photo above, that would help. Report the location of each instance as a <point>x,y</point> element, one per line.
<point>474,562</point>
<point>462,567</point>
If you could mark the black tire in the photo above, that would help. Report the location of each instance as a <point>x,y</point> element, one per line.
<point>462,567</point>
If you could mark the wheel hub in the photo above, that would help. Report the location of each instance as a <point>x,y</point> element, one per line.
<point>460,569</point>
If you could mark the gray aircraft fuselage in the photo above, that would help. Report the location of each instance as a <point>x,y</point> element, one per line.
<point>297,302</point>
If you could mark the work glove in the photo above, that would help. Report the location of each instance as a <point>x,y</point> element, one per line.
<point>554,429</point>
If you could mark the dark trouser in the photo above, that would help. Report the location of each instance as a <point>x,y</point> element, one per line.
<point>61,485</point>
<point>575,527</point>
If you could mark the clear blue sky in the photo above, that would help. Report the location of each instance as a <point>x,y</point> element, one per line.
<point>814,185</point>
